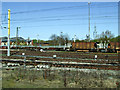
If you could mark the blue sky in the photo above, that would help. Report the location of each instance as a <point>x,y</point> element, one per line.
<point>46,18</point>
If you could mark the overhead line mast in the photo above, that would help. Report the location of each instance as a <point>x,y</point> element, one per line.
<point>89,20</point>
<point>8,53</point>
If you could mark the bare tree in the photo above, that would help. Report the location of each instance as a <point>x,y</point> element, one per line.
<point>62,39</point>
<point>106,36</point>
<point>66,38</point>
<point>54,38</point>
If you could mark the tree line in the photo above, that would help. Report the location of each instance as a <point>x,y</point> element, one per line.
<point>63,39</point>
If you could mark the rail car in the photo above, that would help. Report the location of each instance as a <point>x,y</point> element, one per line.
<point>96,47</point>
<point>75,46</point>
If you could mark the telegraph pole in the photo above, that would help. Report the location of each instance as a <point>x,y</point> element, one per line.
<point>8,53</point>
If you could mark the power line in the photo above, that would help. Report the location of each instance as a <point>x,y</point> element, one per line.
<point>48,20</point>
<point>71,15</point>
<point>70,24</point>
<point>60,16</point>
<point>54,20</point>
<point>31,11</point>
<point>49,9</point>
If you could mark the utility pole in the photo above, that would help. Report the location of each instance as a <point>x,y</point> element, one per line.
<point>89,20</point>
<point>8,52</point>
<point>17,36</point>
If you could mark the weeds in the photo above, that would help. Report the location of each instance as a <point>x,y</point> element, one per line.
<point>56,78</point>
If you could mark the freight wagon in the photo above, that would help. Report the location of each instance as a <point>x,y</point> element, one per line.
<point>96,47</point>
<point>76,46</point>
<point>115,46</point>
<point>82,46</point>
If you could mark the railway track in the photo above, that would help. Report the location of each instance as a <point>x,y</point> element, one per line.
<point>64,59</point>
<point>66,54</point>
<point>64,64</point>
<point>43,58</point>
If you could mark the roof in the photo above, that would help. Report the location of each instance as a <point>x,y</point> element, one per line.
<point>13,39</point>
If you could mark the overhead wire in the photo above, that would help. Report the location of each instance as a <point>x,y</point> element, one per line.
<point>24,19</point>
<point>60,19</point>
<point>49,9</point>
<point>56,17</point>
<point>69,24</point>
<point>44,21</point>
